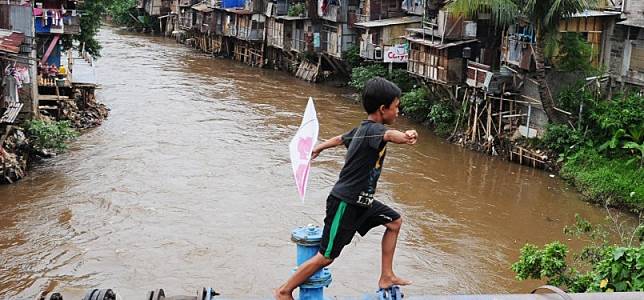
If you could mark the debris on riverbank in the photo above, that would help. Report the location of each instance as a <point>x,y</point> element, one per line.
<point>18,146</point>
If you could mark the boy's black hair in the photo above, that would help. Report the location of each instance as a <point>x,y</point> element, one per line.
<point>379,91</point>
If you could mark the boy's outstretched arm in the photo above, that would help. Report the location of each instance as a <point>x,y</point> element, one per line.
<point>330,143</point>
<point>408,137</point>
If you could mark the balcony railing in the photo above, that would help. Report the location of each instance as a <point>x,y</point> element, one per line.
<point>54,21</point>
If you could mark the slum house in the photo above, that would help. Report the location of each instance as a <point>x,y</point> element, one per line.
<point>185,17</point>
<point>18,93</point>
<point>54,19</point>
<point>202,27</point>
<point>333,34</point>
<point>413,7</point>
<point>161,10</point>
<point>518,47</point>
<point>370,10</point>
<point>507,102</point>
<point>384,40</point>
<point>244,27</point>
<point>288,35</point>
<point>17,22</point>
<point>627,46</point>
<point>169,21</point>
<point>336,33</point>
<point>438,52</point>
<point>14,62</point>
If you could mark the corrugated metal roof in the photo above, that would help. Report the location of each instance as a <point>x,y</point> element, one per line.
<point>83,72</point>
<point>22,19</point>
<point>11,113</point>
<point>390,22</point>
<point>239,11</point>
<point>10,41</point>
<point>633,22</point>
<point>437,44</point>
<point>596,13</point>
<point>291,18</point>
<point>202,7</point>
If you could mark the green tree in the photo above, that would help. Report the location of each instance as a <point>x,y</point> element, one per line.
<point>90,23</point>
<point>544,15</point>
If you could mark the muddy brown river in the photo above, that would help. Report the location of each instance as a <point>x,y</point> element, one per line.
<point>189,184</point>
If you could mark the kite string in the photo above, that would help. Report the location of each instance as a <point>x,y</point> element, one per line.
<point>348,138</point>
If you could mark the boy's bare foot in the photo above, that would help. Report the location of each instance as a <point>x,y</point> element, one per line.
<point>388,281</point>
<point>280,294</point>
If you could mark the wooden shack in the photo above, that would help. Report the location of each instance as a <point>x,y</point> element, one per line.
<point>371,10</point>
<point>380,33</point>
<point>436,61</point>
<point>203,18</point>
<point>520,39</point>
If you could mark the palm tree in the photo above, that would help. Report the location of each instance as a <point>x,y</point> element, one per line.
<point>544,15</point>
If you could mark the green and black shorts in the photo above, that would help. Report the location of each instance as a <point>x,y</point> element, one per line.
<point>343,220</point>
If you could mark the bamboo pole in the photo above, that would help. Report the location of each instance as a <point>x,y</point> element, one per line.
<point>475,125</point>
<point>489,119</point>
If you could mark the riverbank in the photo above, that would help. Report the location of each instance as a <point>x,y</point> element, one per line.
<point>23,144</point>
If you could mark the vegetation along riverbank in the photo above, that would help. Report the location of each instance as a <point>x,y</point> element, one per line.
<point>48,85</point>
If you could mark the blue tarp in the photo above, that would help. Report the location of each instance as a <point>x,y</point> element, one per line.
<point>232,3</point>
<point>54,57</point>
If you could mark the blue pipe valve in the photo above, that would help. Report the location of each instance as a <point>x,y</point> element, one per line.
<point>308,244</point>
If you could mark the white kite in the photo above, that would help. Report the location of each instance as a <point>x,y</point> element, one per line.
<point>301,147</point>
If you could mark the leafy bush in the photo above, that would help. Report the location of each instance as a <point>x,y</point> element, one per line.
<point>608,267</point>
<point>415,103</point>
<point>297,10</point>
<point>352,56</point>
<point>614,181</point>
<point>402,79</point>
<point>549,263</point>
<point>50,135</point>
<point>622,112</point>
<point>443,118</point>
<point>561,137</point>
<point>622,270</point>
<point>360,75</point>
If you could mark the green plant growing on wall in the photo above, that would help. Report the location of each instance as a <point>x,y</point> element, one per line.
<point>50,135</point>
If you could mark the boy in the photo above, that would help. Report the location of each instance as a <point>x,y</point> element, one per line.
<point>350,207</point>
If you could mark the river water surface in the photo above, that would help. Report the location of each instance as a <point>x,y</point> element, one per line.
<point>189,184</point>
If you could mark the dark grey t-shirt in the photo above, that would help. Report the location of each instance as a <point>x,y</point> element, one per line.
<point>366,150</point>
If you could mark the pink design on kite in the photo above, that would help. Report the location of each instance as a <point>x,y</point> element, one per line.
<point>301,176</point>
<point>304,147</point>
